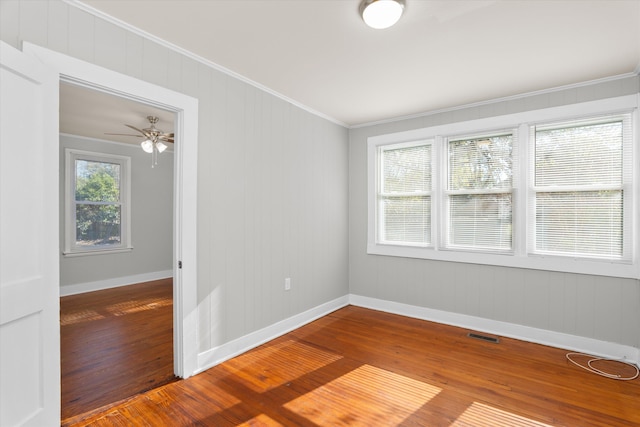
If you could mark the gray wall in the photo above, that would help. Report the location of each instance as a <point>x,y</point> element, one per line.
<point>282,193</point>
<point>602,308</point>
<point>151,217</point>
<point>272,178</point>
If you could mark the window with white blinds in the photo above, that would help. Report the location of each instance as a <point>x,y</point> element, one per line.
<point>404,196</point>
<point>550,189</point>
<point>579,181</point>
<point>479,193</point>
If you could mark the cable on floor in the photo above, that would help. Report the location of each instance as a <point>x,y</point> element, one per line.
<point>590,368</point>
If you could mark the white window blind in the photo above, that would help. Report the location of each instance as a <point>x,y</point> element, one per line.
<point>579,179</point>
<point>479,192</point>
<point>404,195</point>
<point>552,189</point>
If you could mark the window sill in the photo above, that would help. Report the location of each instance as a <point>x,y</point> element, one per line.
<point>96,252</point>
<point>620,269</point>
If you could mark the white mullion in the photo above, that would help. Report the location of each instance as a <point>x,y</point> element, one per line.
<point>438,203</point>
<point>521,195</point>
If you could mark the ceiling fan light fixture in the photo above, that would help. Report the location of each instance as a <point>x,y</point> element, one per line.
<point>161,146</point>
<point>380,14</point>
<point>147,146</point>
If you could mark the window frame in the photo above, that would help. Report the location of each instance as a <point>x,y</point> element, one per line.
<point>70,247</point>
<point>521,256</point>
<point>380,194</point>
<point>448,193</point>
<point>626,184</point>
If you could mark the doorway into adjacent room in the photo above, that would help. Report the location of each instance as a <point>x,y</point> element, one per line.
<point>116,341</point>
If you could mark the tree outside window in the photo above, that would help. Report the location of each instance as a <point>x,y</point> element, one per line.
<point>97,200</point>
<point>97,208</point>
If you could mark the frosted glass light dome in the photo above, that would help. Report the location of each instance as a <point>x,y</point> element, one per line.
<point>380,14</point>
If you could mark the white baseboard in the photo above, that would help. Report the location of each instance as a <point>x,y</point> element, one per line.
<point>510,330</point>
<point>99,285</point>
<point>216,355</point>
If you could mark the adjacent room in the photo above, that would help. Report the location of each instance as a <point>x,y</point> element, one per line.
<point>116,240</point>
<point>283,213</point>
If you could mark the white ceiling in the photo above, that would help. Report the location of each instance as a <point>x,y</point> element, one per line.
<point>444,53</point>
<point>94,114</point>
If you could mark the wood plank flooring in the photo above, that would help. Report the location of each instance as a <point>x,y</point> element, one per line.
<point>360,367</point>
<point>115,343</point>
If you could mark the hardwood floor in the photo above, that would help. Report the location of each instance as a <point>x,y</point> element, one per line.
<point>360,367</point>
<point>115,343</point>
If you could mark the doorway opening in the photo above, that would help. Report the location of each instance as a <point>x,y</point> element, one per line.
<point>185,110</point>
<point>116,276</point>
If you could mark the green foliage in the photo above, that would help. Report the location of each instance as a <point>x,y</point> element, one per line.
<point>97,203</point>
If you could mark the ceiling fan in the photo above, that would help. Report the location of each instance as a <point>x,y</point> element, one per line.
<point>154,138</point>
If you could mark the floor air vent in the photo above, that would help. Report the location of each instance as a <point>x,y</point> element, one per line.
<point>483,338</point>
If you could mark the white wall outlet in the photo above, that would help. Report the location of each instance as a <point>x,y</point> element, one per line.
<point>287,284</point>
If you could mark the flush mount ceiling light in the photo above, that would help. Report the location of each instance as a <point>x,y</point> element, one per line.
<point>380,14</point>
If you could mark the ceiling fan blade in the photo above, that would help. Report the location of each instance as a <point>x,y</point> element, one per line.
<point>145,134</point>
<point>166,137</point>
<point>124,134</point>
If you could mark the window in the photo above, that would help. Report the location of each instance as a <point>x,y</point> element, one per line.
<point>479,193</point>
<point>404,194</point>
<point>460,192</point>
<point>97,207</point>
<point>579,178</point>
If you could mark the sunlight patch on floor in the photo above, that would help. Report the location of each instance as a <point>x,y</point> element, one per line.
<point>261,420</point>
<point>279,363</point>
<point>480,415</point>
<point>366,396</point>
<point>136,306</point>
<point>79,317</point>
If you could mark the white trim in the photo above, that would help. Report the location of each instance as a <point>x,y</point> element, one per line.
<point>70,247</point>
<point>99,14</point>
<point>504,329</point>
<point>217,355</point>
<point>517,259</point>
<point>185,183</point>
<point>137,31</point>
<point>98,285</point>
<point>98,252</point>
<point>525,95</point>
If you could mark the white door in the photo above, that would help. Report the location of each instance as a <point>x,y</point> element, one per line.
<point>29,288</point>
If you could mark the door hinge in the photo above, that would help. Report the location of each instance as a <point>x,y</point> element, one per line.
<point>180,264</point>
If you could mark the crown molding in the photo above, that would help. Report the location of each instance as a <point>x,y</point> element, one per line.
<point>634,73</point>
<point>99,14</point>
<point>115,21</point>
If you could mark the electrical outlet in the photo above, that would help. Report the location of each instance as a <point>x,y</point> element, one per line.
<point>287,284</point>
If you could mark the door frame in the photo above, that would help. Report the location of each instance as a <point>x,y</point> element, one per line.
<point>185,108</point>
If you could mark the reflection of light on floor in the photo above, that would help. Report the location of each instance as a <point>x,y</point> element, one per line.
<point>277,364</point>
<point>479,415</point>
<point>261,420</point>
<point>79,317</point>
<point>120,309</point>
<point>136,306</point>
<point>366,396</point>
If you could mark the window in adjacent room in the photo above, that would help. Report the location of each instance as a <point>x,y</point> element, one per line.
<point>97,208</point>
